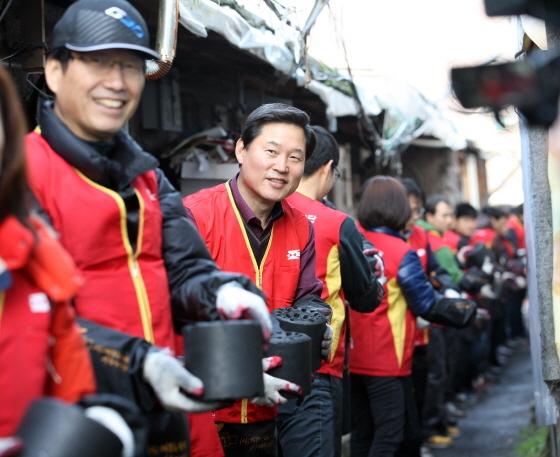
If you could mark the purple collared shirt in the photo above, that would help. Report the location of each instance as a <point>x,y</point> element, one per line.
<point>308,282</point>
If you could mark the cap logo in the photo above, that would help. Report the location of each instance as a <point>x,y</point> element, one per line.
<point>121,15</point>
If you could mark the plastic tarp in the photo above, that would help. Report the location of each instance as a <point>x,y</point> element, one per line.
<point>279,44</point>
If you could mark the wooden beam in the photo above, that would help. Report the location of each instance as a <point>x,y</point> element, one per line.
<point>32,14</point>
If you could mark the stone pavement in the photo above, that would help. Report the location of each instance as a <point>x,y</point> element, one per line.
<point>492,425</point>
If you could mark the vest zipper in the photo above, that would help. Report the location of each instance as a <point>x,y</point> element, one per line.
<point>132,257</point>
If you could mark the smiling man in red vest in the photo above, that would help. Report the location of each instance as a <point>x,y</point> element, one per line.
<point>314,428</point>
<point>250,228</point>
<point>115,211</point>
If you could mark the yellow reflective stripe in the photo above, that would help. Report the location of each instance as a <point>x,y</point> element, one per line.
<point>141,211</point>
<point>135,273</point>
<point>396,314</point>
<point>2,297</point>
<point>244,404</point>
<point>333,282</point>
<point>257,268</point>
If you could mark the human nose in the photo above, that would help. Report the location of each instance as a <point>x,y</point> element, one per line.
<point>281,164</point>
<point>115,78</point>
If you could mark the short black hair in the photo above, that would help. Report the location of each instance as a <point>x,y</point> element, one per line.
<point>63,55</point>
<point>494,212</point>
<point>278,113</point>
<point>518,210</point>
<point>413,188</point>
<point>326,149</point>
<point>465,210</point>
<point>432,202</point>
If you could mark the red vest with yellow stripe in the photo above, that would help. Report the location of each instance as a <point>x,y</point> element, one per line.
<point>221,226</point>
<point>327,223</point>
<point>124,289</point>
<point>418,241</point>
<point>384,340</point>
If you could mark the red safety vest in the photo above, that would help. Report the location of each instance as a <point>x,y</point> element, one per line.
<point>452,240</point>
<point>37,328</point>
<point>384,340</point>
<point>221,226</point>
<point>517,226</point>
<point>327,223</point>
<point>124,290</point>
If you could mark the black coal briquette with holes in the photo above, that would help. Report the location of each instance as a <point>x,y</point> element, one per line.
<point>295,350</point>
<point>307,320</point>
<point>53,428</point>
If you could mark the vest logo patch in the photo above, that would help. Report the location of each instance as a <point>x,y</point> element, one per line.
<point>311,217</point>
<point>151,196</point>
<point>39,303</point>
<point>293,255</point>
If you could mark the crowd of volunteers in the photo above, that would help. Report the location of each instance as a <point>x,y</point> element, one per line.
<point>103,263</point>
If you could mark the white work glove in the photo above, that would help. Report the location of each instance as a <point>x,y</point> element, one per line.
<point>327,342</point>
<point>451,293</point>
<point>487,292</point>
<point>376,264</point>
<point>112,420</point>
<point>521,282</point>
<point>488,266</point>
<point>273,386</point>
<point>483,314</point>
<point>168,377</point>
<point>422,323</point>
<point>234,302</point>
<point>10,446</point>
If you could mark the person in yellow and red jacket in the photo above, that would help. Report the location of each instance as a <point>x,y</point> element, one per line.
<point>463,226</point>
<point>307,429</point>
<point>115,211</point>
<point>250,228</point>
<point>428,359</point>
<point>383,341</point>
<point>509,274</point>
<point>516,233</point>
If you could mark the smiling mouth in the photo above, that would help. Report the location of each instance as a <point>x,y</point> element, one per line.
<point>110,103</point>
<point>278,181</point>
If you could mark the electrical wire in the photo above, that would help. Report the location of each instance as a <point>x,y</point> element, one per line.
<point>362,116</point>
<point>6,9</point>
<point>20,47</point>
<point>41,93</point>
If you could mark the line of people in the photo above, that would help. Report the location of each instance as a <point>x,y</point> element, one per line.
<point>483,258</point>
<point>95,308</point>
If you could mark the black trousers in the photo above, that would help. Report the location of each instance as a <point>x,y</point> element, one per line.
<point>382,409</point>
<point>434,417</point>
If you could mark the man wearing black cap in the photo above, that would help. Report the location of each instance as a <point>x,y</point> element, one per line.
<point>117,214</point>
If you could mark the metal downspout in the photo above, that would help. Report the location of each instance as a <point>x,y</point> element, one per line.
<point>166,39</point>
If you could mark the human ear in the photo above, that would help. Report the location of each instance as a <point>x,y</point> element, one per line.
<point>239,148</point>
<point>53,74</point>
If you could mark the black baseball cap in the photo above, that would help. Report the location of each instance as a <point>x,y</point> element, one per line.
<point>93,25</point>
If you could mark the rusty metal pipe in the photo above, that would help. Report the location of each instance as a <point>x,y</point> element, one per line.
<point>166,39</point>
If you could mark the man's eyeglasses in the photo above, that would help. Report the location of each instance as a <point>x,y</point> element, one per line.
<point>336,174</point>
<point>102,65</point>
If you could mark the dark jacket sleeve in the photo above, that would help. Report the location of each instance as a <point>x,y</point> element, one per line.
<point>118,359</point>
<point>361,289</point>
<point>422,299</point>
<point>419,293</point>
<point>192,273</point>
